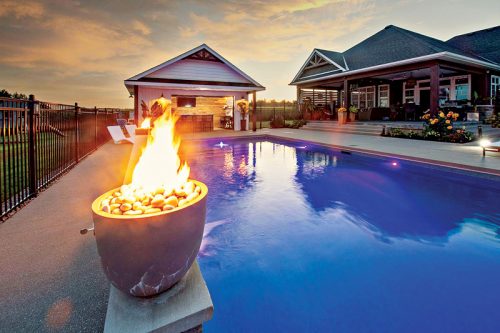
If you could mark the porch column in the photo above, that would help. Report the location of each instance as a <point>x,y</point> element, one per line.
<point>254,111</point>
<point>298,100</point>
<point>346,94</point>
<point>486,85</point>
<point>434,102</point>
<point>136,105</point>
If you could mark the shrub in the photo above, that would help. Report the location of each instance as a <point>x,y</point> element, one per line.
<point>277,122</point>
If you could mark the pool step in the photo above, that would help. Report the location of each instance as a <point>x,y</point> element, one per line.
<point>363,128</point>
<point>375,128</point>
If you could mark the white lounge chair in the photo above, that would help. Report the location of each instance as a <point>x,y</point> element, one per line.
<point>490,146</point>
<point>118,136</point>
<point>131,130</point>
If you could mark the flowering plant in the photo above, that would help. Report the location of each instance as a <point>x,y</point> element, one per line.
<point>441,123</point>
<point>242,105</point>
<point>441,127</point>
<point>342,109</point>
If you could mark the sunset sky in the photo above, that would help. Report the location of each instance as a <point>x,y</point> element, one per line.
<point>81,51</point>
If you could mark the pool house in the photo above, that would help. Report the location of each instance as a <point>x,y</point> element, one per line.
<point>203,86</point>
<point>397,74</point>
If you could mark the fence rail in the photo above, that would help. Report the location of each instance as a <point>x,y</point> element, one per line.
<point>39,141</point>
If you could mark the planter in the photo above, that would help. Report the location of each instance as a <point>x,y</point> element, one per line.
<point>243,124</point>
<point>365,115</point>
<point>342,117</point>
<point>145,255</point>
<point>352,116</point>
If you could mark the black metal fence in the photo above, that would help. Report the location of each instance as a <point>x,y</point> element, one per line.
<point>39,141</point>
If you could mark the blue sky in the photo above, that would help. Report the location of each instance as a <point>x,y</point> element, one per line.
<point>67,51</point>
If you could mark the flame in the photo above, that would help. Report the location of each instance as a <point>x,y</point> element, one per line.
<point>160,165</point>
<point>146,123</point>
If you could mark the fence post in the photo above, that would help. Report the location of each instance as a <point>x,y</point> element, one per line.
<point>77,135</point>
<point>33,188</point>
<point>95,123</point>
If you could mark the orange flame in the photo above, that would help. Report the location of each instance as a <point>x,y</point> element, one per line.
<point>160,165</point>
<point>146,123</point>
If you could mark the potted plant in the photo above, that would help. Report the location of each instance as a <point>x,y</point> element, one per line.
<point>342,115</point>
<point>352,113</point>
<point>242,105</point>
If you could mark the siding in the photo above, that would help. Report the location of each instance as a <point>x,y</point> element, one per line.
<point>189,69</point>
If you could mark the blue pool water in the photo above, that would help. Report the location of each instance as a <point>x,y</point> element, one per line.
<point>301,238</point>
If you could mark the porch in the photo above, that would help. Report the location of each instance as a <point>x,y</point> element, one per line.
<point>401,93</point>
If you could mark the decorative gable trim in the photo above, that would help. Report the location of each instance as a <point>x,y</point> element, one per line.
<point>316,59</point>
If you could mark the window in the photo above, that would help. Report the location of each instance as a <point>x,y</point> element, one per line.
<point>495,85</point>
<point>461,92</point>
<point>383,96</point>
<point>186,102</point>
<point>409,96</point>
<point>363,98</point>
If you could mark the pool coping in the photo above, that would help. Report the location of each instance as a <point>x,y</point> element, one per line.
<point>432,162</point>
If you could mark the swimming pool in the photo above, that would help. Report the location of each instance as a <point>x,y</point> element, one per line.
<point>305,238</point>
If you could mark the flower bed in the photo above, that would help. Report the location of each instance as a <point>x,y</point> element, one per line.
<point>436,128</point>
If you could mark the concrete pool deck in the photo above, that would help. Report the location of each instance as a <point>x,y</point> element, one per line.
<point>51,275</point>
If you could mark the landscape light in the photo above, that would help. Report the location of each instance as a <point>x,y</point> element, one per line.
<point>484,143</point>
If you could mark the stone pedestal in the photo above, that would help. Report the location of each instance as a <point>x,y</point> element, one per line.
<point>183,308</point>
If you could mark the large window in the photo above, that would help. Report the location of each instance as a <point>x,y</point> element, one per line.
<point>461,88</point>
<point>363,98</point>
<point>383,96</point>
<point>495,85</point>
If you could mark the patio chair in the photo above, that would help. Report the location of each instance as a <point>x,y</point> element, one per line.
<point>491,146</point>
<point>131,130</point>
<point>410,109</point>
<point>118,136</point>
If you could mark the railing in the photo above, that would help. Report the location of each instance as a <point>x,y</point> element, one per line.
<point>39,141</point>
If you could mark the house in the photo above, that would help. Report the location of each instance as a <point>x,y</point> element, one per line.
<point>397,70</point>
<point>200,83</point>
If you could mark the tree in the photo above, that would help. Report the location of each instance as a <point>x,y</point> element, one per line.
<point>5,93</point>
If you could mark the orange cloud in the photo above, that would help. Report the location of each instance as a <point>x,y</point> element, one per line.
<point>21,9</point>
<point>278,31</point>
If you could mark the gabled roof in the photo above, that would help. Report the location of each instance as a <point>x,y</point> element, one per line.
<point>485,43</point>
<point>395,45</point>
<point>200,55</point>
<point>336,57</point>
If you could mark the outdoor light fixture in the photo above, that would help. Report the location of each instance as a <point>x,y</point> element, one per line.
<point>484,143</point>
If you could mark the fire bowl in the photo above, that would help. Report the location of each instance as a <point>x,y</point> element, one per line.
<point>144,255</point>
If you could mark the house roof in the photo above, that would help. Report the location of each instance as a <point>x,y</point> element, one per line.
<point>484,43</point>
<point>199,67</point>
<point>392,45</point>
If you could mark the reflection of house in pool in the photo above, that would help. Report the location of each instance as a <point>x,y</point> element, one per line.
<point>369,190</point>
<point>236,160</point>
